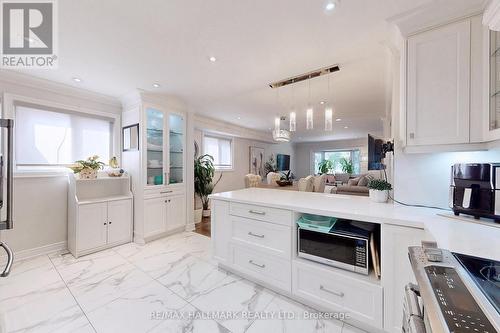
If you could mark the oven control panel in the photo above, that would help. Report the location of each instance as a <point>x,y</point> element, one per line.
<point>461,312</point>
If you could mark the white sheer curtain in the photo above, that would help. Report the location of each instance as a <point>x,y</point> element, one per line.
<point>45,137</point>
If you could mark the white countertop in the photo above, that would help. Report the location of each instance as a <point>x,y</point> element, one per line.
<point>452,234</point>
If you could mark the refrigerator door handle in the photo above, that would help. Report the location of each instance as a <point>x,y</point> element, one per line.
<point>10,259</point>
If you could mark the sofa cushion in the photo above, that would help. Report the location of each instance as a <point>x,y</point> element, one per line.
<point>352,189</point>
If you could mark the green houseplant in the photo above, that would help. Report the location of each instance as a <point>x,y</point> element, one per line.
<point>379,190</point>
<point>325,166</point>
<point>204,172</point>
<point>346,166</point>
<point>87,168</point>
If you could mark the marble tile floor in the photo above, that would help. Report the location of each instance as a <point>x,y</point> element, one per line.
<point>169,285</point>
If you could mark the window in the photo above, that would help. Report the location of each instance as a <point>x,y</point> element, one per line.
<point>49,138</point>
<point>220,149</point>
<point>335,156</point>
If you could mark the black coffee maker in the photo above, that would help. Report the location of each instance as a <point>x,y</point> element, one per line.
<point>475,190</point>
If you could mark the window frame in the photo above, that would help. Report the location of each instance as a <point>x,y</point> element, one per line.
<point>11,101</point>
<point>322,152</point>
<point>231,145</point>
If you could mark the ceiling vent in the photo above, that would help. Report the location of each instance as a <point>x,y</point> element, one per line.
<point>306,76</point>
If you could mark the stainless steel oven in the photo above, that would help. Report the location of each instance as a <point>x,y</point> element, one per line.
<point>346,250</point>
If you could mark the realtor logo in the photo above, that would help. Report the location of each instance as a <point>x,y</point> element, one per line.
<point>28,34</point>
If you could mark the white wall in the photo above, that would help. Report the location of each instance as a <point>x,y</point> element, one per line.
<point>234,179</point>
<point>304,153</point>
<point>40,202</point>
<point>425,178</point>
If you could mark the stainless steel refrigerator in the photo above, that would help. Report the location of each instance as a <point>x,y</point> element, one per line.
<point>6,189</point>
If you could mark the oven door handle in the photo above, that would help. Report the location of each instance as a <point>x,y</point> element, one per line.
<point>10,259</point>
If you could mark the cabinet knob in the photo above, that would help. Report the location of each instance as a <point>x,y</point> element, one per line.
<point>412,135</point>
<point>105,223</point>
<point>110,222</point>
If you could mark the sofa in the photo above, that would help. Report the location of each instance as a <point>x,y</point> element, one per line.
<point>358,185</point>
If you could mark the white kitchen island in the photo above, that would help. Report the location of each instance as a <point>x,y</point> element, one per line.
<point>254,234</point>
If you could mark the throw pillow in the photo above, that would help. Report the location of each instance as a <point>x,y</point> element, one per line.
<point>353,182</point>
<point>363,181</point>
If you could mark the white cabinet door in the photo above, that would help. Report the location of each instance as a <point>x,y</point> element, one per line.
<point>92,226</point>
<point>155,211</point>
<point>438,86</point>
<point>221,229</point>
<point>119,221</point>
<point>396,270</point>
<point>176,212</point>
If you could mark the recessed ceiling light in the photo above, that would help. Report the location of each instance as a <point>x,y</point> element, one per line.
<point>239,118</point>
<point>346,127</point>
<point>156,85</point>
<point>212,59</point>
<point>330,6</point>
<point>338,119</point>
<point>77,79</point>
<point>322,102</point>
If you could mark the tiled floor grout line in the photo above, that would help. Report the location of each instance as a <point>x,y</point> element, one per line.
<point>72,295</point>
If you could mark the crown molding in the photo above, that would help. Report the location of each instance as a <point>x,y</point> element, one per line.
<point>491,17</point>
<point>217,126</point>
<point>28,81</point>
<point>435,13</point>
<point>137,97</point>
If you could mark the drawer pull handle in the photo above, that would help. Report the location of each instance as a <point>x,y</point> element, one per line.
<point>257,212</point>
<point>255,235</point>
<point>255,264</point>
<point>339,294</point>
<point>165,192</point>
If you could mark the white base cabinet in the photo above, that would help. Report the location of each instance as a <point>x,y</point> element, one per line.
<point>163,214</point>
<point>396,270</point>
<point>99,213</point>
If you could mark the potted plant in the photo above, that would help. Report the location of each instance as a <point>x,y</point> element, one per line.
<point>379,190</point>
<point>204,171</point>
<point>270,165</point>
<point>88,168</point>
<point>325,167</point>
<point>286,179</point>
<point>346,166</point>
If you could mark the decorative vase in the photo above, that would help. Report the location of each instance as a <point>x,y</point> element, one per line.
<point>198,214</point>
<point>206,213</point>
<point>88,173</point>
<point>379,196</point>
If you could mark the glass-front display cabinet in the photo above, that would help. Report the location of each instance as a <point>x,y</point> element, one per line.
<point>494,118</point>
<point>165,136</point>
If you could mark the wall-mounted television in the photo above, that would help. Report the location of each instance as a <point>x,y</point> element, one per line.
<point>283,162</point>
<point>375,153</point>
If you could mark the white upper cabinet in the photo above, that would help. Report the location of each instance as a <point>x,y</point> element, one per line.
<point>438,85</point>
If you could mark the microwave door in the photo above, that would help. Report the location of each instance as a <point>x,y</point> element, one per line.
<point>6,188</point>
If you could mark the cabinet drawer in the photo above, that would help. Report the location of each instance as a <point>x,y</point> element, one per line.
<point>162,191</point>
<point>273,215</point>
<point>338,292</point>
<point>264,235</point>
<point>262,266</point>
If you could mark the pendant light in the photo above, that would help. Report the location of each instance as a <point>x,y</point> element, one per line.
<point>328,112</point>
<point>328,118</point>
<point>293,121</point>
<point>309,112</point>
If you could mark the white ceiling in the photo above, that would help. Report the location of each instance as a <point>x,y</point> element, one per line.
<point>116,46</point>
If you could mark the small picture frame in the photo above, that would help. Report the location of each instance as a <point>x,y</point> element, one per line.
<point>130,137</point>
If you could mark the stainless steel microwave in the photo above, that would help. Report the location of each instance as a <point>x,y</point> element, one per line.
<point>346,250</point>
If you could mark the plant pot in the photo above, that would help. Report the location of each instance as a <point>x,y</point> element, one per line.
<point>206,213</point>
<point>88,174</point>
<point>379,196</point>
<point>198,214</point>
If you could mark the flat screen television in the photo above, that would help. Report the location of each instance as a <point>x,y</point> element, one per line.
<point>283,162</point>
<point>375,154</point>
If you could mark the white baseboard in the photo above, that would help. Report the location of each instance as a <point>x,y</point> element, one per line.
<point>190,227</point>
<point>60,247</point>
